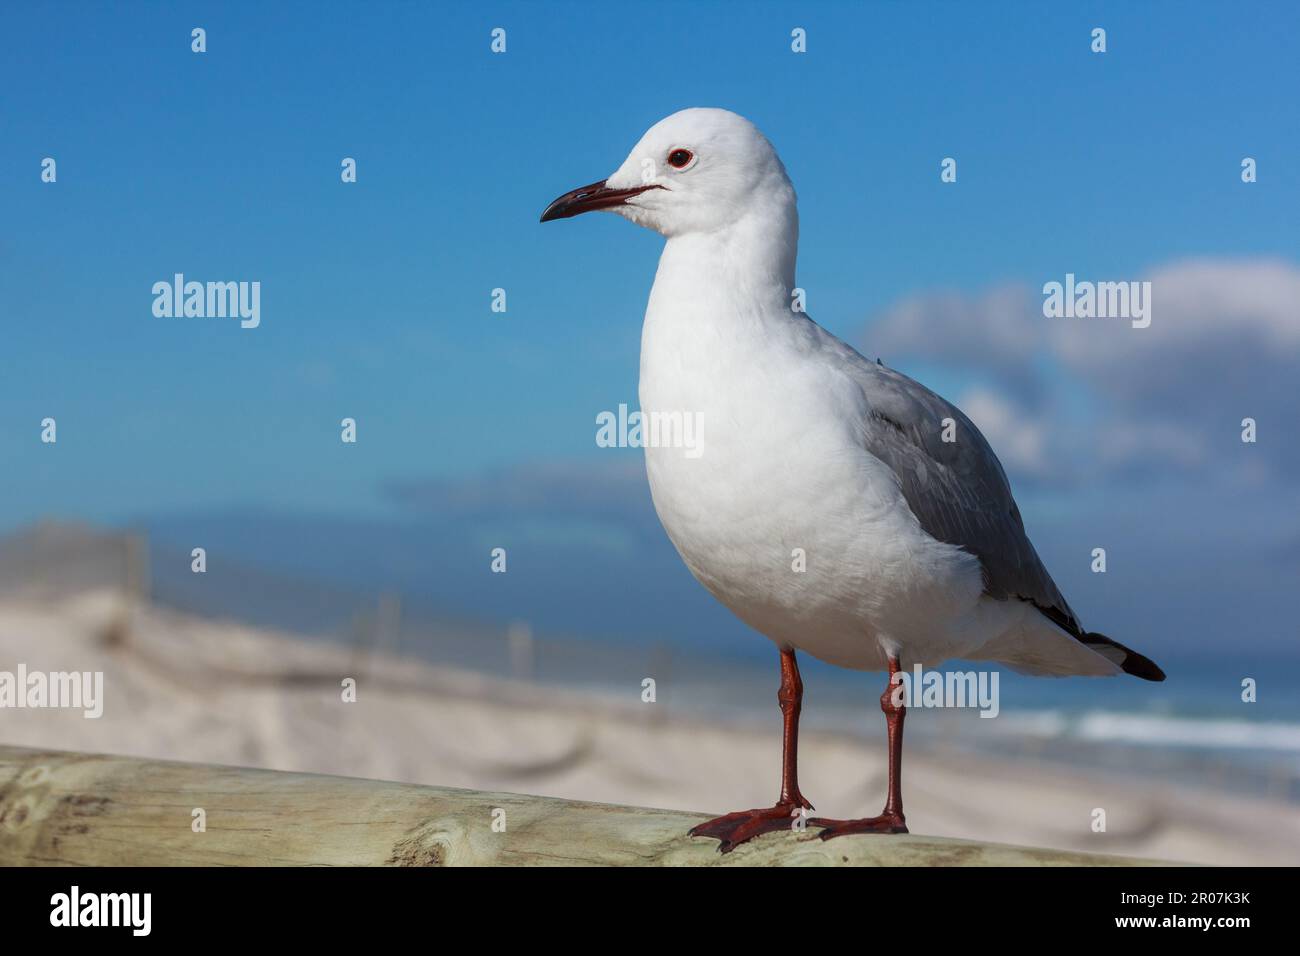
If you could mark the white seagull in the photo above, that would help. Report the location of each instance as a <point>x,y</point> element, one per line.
<point>913,545</point>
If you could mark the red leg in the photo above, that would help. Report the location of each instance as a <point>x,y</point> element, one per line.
<point>735,828</point>
<point>891,819</point>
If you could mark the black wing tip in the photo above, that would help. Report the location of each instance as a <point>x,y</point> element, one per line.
<point>1139,665</point>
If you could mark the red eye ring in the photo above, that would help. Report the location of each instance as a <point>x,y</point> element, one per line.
<point>680,158</point>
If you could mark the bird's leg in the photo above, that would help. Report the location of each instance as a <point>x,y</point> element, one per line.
<point>891,819</point>
<point>735,828</point>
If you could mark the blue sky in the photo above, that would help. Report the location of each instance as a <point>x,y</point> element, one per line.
<point>375,296</point>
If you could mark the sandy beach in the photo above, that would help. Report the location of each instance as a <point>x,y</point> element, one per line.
<point>188,688</point>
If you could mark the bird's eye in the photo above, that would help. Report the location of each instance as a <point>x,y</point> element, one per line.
<point>680,158</point>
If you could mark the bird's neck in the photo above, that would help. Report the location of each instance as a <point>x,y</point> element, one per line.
<point>747,265</point>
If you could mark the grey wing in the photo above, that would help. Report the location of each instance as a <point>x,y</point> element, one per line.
<point>957,489</point>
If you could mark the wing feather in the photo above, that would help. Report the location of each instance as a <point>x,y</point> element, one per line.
<point>957,489</point>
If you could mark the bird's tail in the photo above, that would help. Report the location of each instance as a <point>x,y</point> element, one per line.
<point>1130,661</point>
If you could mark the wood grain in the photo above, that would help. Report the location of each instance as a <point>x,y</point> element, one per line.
<point>71,809</point>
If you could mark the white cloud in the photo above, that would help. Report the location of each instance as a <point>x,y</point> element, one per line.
<point>1216,326</point>
<point>1021,441</point>
<point>996,329</point>
<point>1223,344</point>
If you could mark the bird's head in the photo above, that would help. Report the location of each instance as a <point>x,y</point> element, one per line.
<point>699,170</point>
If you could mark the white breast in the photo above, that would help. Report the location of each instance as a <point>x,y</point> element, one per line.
<point>782,482</point>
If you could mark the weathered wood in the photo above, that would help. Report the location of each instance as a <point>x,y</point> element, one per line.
<point>79,809</point>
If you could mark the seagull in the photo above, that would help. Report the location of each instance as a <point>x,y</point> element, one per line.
<point>834,505</point>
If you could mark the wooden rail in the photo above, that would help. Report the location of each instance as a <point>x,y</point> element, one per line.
<point>80,809</point>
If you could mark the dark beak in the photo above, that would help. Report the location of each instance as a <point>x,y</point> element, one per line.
<point>589,198</point>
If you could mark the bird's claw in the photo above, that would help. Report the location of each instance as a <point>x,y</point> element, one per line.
<point>885,823</point>
<point>733,829</point>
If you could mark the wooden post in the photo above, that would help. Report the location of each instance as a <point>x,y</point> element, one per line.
<point>87,810</point>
